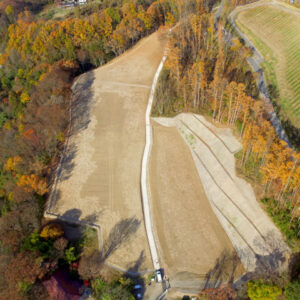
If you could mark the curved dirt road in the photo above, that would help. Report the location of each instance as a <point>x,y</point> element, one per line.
<point>100,177</point>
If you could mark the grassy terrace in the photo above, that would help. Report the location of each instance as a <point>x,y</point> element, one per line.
<point>276,34</point>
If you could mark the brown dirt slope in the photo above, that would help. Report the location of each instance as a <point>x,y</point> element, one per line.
<point>100,180</point>
<point>190,236</point>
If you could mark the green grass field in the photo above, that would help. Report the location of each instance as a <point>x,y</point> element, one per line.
<point>276,34</point>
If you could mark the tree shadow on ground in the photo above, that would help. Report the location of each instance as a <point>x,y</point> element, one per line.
<point>74,216</point>
<point>93,265</point>
<point>67,164</point>
<point>120,234</point>
<point>135,268</point>
<point>226,269</point>
<point>133,273</point>
<point>268,266</point>
<point>82,102</point>
<point>293,133</point>
<point>73,225</point>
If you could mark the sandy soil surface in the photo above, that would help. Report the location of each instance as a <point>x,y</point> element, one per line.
<point>259,244</point>
<point>100,181</point>
<point>190,238</point>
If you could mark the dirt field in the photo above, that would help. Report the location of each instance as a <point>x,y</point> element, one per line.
<point>275,32</point>
<point>197,195</point>
<point>190,238</point>
<point>100,181</point>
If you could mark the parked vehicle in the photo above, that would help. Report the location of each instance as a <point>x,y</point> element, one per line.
<point>137,287</point>
<point>158,276</point>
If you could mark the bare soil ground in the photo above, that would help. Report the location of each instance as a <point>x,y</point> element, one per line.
<point>259,244</point>
<point>190,238</point>
<point>100,180</point>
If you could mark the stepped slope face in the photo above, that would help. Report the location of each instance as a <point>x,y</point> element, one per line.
<point>258,242</point>
<point>192,242</point>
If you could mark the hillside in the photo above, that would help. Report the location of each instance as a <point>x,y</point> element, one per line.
<point>139,156</point>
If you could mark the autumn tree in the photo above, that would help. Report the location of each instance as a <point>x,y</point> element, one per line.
<point>52,231</point>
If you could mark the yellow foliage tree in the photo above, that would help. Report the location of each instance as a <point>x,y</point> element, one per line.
<point>61,137</point>
<point>34,183</point>
<point>9,10</point>
<point>12,162</point>
<point>7,125</point>
<point>21,128</point>
<point>25,97</point>
<point>52,231</point>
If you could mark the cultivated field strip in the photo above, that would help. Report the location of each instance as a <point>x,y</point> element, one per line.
<point>279,30</point>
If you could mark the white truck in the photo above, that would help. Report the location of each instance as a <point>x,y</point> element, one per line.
<point>158,276</point>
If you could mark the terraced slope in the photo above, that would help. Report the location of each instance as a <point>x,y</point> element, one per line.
<point>191,238</point>
<point>275,32</point>
<point>257,241</point>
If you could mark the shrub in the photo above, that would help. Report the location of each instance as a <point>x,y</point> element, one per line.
<point>34,242</point>
<point>89,241</point>
<point>3,119</point>
<point>260,290</point>
<point>116,290</point>
<point>90,266</point>
<point>239,125</point>
<point>70,255</point>
<point>60,244</point>
<point>5,208</point>
<point>23,287</point>
<point>292,290</point>
<point>282,217</point>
